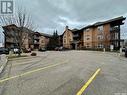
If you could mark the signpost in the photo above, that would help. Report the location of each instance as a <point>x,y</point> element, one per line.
<point>111,47</point>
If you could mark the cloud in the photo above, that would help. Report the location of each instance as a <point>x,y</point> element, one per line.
<point>63,21</point>
<point>49,15</point>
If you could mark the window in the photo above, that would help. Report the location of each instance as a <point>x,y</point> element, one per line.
<point>70,39</point>
<point>100,28</point>
<point>87,35</point>
<point>64,40</point>
<point>42,41</point>
<point>87,38</point>
<point>114,28</point>
<point>100,37</point>
<point>100,45</point>
<point>116,36</point>
<point>87,45</point>
<point>87,30</point>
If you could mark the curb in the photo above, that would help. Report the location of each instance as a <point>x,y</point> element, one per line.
<point>3,65</point>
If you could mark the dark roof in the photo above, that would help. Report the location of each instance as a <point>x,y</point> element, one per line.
<point>43,34</point>
<point>46,35</point>
<point>13,25</point>
<point>27,30</point>
<point>9,26</point>
<point>109,21</point>
<point>75,29</point>
<point>105,22</point>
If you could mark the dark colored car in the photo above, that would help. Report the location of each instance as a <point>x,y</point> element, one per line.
<point>4,50</point>
<point>125,52</point>
<point>57,49</point>
<point>123,49</point>
<point>16,51</point>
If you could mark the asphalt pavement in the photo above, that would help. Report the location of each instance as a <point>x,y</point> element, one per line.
<point>64,73</point>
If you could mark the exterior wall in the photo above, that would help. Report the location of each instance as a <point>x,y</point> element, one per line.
<point>87,38</point>
<point>95,38</point>
<point>30,39</point>
<point>67,38</point>
<point>107,36</point>
<point>43,41</point>
<point>12,37</point>
<point>101,38</point>
<point>9,32</point>
<point>25,41</point>
<point>25,44</point>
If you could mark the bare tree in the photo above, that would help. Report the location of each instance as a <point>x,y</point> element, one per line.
<point>22,20</point>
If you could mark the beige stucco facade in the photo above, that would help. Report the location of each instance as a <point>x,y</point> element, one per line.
<point>88,37</point>
<point>43,41</point>
<point>67,38</point>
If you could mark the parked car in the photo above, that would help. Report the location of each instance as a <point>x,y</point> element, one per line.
<point>16,50</point>
<point>125,52</point>
<point>57,49</point>
<point>4,50</point>
<point>60,48</point>
<point>123,49</point>
<point>65,49</point>
<point>42,49</point>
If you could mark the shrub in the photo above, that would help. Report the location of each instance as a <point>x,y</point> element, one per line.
<point>33,54</point>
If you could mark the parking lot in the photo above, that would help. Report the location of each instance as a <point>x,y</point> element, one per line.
<point>64,73</point>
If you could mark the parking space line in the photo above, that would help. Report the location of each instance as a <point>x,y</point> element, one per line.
<point>88,82</point>
<point>30,72</point>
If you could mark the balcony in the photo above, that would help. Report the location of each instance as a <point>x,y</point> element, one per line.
<point>114,29</point>
<point>37,43</point>
<point>36,37</point>
<point>75,36</point>
<point>10,40</point>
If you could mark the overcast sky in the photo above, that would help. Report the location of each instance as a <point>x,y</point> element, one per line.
<point>49,15</point>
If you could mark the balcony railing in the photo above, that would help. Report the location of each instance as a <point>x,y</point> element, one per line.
<point>115,29</point>
<point>75,36</point>
<point>11,41</point>
<point>36,42</point>
<point>35,37</point>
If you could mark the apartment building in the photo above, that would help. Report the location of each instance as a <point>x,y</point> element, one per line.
<point>30,39</point>
<point>96,36</point>
<point>67,38</point>
<point>103,34</point>
<point>12,35</point>
<point>41,40</point>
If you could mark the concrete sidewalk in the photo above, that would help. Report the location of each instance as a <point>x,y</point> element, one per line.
<point>3,62</point>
